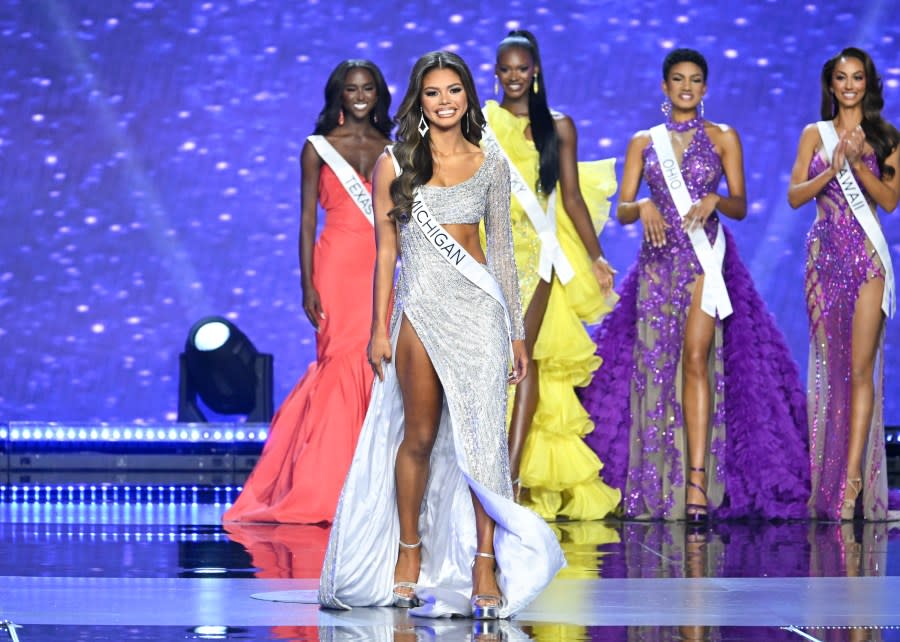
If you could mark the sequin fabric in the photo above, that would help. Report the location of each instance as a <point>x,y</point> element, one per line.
<point>840,259</point>
<point>461,326</point>
<point>464,332</point>
<point>757,425</point>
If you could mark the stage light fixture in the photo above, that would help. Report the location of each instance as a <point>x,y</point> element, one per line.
<point>221,367</point>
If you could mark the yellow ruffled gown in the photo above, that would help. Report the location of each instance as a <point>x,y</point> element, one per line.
<point>559,471</point>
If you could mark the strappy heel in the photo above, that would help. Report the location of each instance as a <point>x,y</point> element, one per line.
<point>405,592</point>
<point>697,514</point>
<point>848,506</point>
<point>486,606</point>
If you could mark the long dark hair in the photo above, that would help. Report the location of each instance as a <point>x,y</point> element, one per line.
<point>881,135</point>
<point>412,150</point>
<point>334,89</point>
<point>543,129</point>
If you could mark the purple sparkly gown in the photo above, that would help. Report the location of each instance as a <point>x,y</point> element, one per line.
<point>840,259</point>
<point>757,452</point>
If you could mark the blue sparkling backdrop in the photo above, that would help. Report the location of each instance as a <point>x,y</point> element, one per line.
<point>149,159</point>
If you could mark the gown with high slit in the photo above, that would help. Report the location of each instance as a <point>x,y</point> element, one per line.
<point>558,470</point>
<point>466,335</point>
<point>756,461</point>
<point>313,435</point>
<point>840,260</point>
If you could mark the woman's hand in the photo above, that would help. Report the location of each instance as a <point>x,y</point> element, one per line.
<point>853,149</point>
<point>379,352</point>
<point>604,273</point>
<point>653,222</point>
<point>838,156</point>
<point>520,362</point>
<point>312,305</point>
<point>700,211</point>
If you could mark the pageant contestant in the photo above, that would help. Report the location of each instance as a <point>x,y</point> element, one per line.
<point>299,476</point>
<point>698,405</point>
<point>564,280</point>
<point>427,516</point>
<point>848,163</point>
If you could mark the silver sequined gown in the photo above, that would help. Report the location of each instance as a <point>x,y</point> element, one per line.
<point>465,333</point>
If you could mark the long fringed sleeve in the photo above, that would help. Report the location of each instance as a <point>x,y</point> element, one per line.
<point>498,232</point>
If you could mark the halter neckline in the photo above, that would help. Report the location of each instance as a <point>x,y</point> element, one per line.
<point>694,123</point>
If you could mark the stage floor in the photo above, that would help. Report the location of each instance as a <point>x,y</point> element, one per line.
<point>171,572</point>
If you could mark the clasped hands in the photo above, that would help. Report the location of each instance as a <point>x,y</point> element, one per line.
<point>849,148</point>
<point>655,225</point>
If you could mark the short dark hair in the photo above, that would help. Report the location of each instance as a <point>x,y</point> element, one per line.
<point>684,55</point>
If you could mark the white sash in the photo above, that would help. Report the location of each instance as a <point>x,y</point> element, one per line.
<point>544,223</point>
<point>346,175</point>
<point>715,295</point>
<point>863,213</point>
<point>454,253</point>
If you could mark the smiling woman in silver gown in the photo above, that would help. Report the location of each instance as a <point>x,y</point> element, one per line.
<point>426,517</point>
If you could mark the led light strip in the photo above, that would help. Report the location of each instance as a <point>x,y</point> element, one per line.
<point>144,435</point>
<point>99,494</point>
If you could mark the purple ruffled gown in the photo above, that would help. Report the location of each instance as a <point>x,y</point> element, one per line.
<point>840,259</point>
<point>757,462</point>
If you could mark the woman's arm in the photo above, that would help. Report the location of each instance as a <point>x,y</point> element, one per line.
<point>571,190</point>
<point>884,191</point>
<point>573,200</point>
<point>385,262</point>
<point>311,165</point>
<point>502,261</point>
<point>628,210</point>
<point>803,189</point>
<point>735,204</point>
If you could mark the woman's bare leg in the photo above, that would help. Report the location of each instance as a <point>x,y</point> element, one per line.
<point>699,329</point>
<point>526,397</point>
<point>484,582</point>
<point>868,321</point>
<point>422,400</point>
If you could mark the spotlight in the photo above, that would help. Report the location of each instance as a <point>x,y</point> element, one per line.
<point>222,367</point>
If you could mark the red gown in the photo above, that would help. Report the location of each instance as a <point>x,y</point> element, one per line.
<point>313,435</point>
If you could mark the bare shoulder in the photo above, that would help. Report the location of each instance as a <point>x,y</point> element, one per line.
<point>810,135</point>
<point>309,156</point>
<point>723,136</point>
<point>565,126</point>
<point>639,140</point>
<point>384,168</point>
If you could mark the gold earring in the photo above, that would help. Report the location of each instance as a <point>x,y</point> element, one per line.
<point>536,88</point>
<point>496,85</point>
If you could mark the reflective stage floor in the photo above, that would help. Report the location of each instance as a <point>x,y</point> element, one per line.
<point>168,571</point>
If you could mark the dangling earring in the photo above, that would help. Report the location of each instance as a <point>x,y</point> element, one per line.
<point>374,118</point>
<point>423,124</point>
<point>467,122</point>
<point>341,117</point>
<point>496,86</point>
<point>666,107</point>
<point>701,108</point>
<point>535,85</point>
